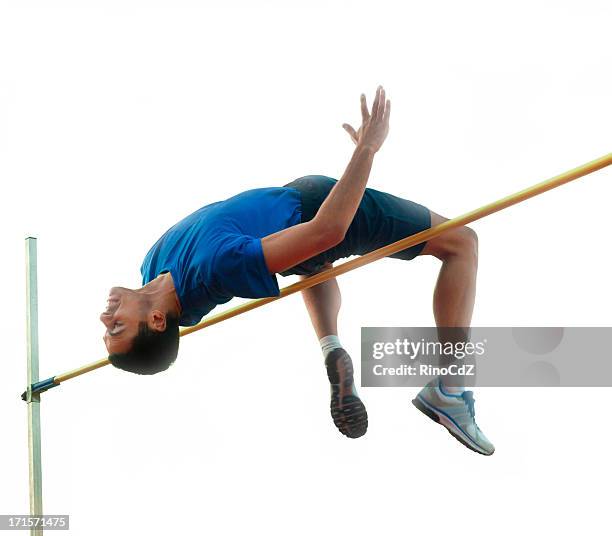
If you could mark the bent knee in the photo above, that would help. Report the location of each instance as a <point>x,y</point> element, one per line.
<point>462,241</point>
<point>471,237</point>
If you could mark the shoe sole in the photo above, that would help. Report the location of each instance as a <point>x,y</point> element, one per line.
<point>348,412</point>
<point>442,420</point>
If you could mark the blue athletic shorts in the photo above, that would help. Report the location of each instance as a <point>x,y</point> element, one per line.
<point>381,219</point>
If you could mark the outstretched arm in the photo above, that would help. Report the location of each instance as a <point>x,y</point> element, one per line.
<point>291,246</point>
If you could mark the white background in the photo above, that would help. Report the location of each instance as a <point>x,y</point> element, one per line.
<point>119,118</point>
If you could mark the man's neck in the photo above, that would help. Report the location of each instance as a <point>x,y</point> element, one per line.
<point>162,293</point>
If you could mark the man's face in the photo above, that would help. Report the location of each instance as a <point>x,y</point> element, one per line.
<point>121,318</point>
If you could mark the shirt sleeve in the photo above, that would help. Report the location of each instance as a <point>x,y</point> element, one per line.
<point>240,268</point>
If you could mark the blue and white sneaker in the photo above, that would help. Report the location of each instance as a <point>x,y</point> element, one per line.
<point>456,413</point>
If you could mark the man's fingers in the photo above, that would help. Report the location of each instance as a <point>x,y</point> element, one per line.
<point>387,111</point>
<point>375,104</point>
<point>365,115</point>
<point>381,104</point>
<point>351,131</point>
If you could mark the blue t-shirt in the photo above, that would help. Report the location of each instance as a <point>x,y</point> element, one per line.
<point>215,253</point>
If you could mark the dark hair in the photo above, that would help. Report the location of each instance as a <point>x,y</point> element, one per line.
<point>152,351</point>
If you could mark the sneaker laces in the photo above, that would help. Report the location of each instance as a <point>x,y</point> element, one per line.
<point>468,397</point>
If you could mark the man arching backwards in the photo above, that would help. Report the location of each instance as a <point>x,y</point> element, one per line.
<point>235,247</point>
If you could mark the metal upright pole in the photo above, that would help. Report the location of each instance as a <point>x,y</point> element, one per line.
<point>33,399</point>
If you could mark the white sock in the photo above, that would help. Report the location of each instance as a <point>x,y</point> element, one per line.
<point>329,343</point>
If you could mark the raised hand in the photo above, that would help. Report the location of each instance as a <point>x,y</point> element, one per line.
<point>375,126</point>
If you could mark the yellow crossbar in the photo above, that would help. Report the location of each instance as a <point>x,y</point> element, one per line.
<point>385,251</point>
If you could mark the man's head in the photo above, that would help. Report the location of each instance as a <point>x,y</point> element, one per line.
<point>142,336</point>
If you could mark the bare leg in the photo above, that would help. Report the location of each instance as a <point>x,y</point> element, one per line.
<point>347,410</point>
<point>453,305</point>
<point>323,304</point>
<point>455,291</point>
